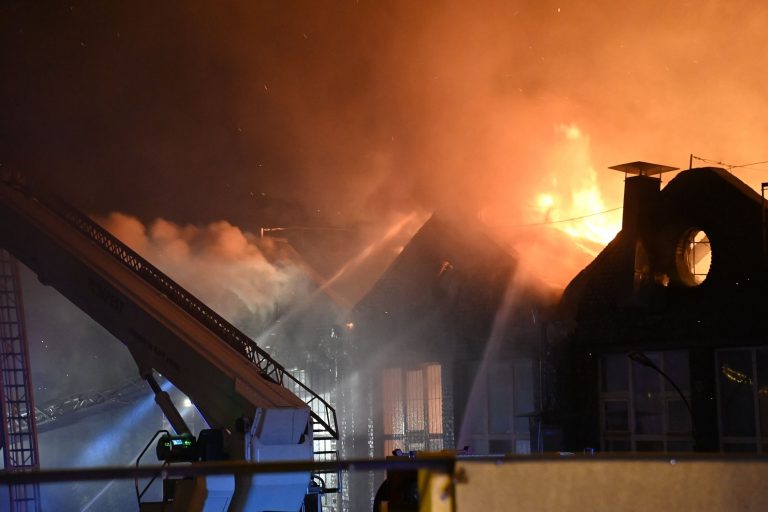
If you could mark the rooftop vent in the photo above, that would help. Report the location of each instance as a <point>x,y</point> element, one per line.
<point>641,191</point>
<point>643,168</point>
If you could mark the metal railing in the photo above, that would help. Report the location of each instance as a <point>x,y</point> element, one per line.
<point>322,412</point>
<point>153,477</point>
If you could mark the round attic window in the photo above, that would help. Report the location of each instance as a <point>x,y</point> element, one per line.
<point>694,257</point>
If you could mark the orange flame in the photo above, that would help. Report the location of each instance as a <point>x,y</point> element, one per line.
<point>582,215</point>
<point>577,208</point>
<point>567,221</point>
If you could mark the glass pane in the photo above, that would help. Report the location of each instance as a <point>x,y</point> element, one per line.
<point>678,417</point>
<point>415,396</point>
<point>699,255</point>
<point>647,379</point>
<point>479,445</point>
<point>616,416</point>
<point>740,448</point>
<point>737,405</point>
<point>679,446</point>
<point>392,401</point>
<point>434,398</point>
<point>499,398</point>
<point>391,445</point>
<point>496,446</point>
<point>477,419</point>
<point>523,447</point>
<point>649,401</point>
<point>551,439</point>
<point>762,389</point>
<point>617,445</point>
<point>472,393</point>
<point>677,368</point>
<point>523,391</point>
<point>416,446</point>
<point>615,370</point>
<point>649,446</point>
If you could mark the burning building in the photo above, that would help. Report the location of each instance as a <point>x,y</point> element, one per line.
<point>663,336</point>
<point>448,345</point>
<point>656,345</point>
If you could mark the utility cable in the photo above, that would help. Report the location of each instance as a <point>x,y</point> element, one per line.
<point>728,166</point>
<point>560,221</point>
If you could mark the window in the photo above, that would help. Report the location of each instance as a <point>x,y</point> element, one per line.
<point>694,257</point>
<point>499,406</point>
<point>742,389</point>
<point>639,409</point>
<point>412,402</point>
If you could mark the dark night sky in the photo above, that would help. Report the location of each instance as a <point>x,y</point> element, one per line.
<point>259,114</point>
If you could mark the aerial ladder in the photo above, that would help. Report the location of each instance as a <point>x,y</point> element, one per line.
<point>248,399</point>
<point>18,430</point>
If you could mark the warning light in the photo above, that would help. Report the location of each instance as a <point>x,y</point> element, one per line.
<point>176,448</point>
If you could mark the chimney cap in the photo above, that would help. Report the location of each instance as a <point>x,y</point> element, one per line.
<point>643,168</point>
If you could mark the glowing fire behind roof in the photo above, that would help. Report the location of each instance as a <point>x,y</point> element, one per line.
<point>566,220</point>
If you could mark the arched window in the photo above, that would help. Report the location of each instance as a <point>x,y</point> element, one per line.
<point>694,257</point>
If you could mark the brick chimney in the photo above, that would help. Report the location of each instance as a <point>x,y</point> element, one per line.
<point>642,185</point>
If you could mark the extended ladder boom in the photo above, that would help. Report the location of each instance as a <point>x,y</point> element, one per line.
<point>165,327</point>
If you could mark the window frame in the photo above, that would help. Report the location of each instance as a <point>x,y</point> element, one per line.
<point>758,441</point>
<point>667,395</point>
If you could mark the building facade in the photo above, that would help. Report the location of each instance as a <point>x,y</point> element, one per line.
<point>662,343</point>
<point>448,344</point>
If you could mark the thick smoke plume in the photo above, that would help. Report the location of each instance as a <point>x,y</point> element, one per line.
<point>224,266</point>
<point>281,114</point>
<point>249,281</point>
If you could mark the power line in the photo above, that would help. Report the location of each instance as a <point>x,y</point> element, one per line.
<point>750,165</point>
<point>728,166</point>
<point>708,161</point>
<point>547,223</point>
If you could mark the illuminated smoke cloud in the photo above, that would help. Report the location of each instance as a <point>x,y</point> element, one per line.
<point>343,114</point>
<point>221,264</point>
